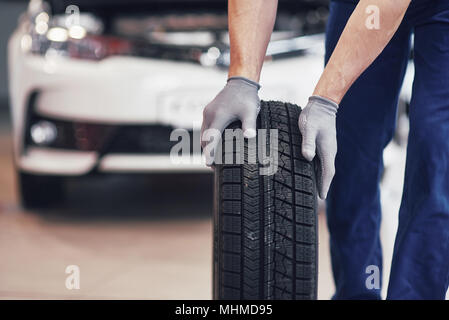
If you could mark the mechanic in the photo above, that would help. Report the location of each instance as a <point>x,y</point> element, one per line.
<point>364,70</point>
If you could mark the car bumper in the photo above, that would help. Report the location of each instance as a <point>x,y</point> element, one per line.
<point>75,163</point>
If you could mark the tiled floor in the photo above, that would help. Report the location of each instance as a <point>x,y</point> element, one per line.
<point>132,237</point>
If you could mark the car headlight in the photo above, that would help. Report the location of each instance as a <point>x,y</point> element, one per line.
<point>75,35</point>
<point>80,35</point>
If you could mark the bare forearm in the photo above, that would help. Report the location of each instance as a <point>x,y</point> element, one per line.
<point>250,26</point>
<point>359,46</point>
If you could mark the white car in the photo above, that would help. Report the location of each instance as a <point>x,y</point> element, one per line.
<point>98,86</point>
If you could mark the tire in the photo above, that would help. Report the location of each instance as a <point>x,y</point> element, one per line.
<point>40,191</point>
<point>265,226</point>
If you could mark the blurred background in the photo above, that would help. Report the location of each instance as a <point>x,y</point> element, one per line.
<point>89,93</point>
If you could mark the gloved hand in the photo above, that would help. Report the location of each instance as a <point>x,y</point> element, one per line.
<point>317,126</point>
<point>238,100</point>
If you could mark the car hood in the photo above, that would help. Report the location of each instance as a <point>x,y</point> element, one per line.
<point>104,6</point>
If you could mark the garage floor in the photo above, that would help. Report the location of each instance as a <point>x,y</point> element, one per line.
<point>133,237</point>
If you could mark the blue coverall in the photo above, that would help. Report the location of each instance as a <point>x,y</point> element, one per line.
<point>365,125</point>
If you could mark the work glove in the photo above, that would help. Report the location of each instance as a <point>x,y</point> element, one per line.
<point>238,100</point>
<point>317,126</point>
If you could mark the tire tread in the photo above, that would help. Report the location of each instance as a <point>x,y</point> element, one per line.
<point>266,229</point>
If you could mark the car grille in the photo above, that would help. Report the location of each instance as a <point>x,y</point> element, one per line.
<point>148,139</point>
<point>144,139</point>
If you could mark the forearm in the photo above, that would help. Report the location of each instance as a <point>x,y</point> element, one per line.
<point>250,26</point>
<point>359,46</point>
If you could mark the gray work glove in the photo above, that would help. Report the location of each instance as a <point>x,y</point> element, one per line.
<point>238,100</point>
<point>317,126</point>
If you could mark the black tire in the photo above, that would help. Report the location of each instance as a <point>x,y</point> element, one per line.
<point>40,191</point>
<point>265,226</point>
